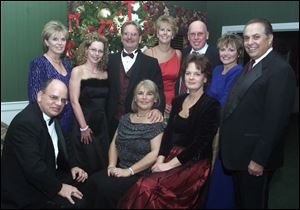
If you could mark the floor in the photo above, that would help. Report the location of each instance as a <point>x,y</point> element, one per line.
<point>284,188</point>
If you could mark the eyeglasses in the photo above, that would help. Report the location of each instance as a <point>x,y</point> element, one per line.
<point>57,99</point>
<point>193,35</point>
<point>130,34</point>
<point>94,51</point>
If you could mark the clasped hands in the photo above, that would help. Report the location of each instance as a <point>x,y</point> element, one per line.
<point>255,169</point>
<point>118,172</point>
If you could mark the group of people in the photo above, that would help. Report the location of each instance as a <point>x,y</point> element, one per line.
<point>160,129</point>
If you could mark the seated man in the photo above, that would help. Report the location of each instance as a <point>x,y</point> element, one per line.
<point>36,170</point>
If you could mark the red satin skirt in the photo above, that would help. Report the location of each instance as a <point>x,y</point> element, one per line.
<point>178,188</point>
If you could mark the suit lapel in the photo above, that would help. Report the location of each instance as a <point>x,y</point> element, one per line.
<point>135,70</point>
<point>114,72</point>
<point>240,87</point>
<point>61,140</point>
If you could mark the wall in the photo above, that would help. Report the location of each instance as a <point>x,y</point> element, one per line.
<point>21,27</point>
<point>239,12</point>
<point>222,13</point>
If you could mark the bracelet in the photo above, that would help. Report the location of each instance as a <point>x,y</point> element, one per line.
<point>84,129</point>
<point>131,171</point>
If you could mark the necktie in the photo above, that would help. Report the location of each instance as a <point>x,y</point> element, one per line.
<point>195,53</point>
<point>51,121</point>
<point>126,54</point>
<point>250,66</point>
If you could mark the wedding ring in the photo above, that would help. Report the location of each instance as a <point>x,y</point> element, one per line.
<point>72,193</point>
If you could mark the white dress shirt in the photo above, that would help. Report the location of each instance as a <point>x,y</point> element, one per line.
<point>202,51</point>
<point>53,135</point>
<point>127,61</point>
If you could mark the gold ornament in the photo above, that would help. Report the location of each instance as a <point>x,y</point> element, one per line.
<point>103,13</point>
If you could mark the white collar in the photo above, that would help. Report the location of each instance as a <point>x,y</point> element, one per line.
<point>263,56</point>
<point>134,52</point>
<point>47,119</point>
<point>201,51</point>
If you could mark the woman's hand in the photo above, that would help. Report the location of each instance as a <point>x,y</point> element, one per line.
<point>159,167</point>
<point>86,136</point>
<point>120,172</point>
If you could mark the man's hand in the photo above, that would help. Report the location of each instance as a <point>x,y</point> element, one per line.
<point>79,174</point>
<point>255,169</point>
<point>67,191</point>
<point>155,116</point>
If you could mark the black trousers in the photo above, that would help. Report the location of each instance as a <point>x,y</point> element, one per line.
<point>108,190</point>
<point>251,192</point>
<point>59,202</point>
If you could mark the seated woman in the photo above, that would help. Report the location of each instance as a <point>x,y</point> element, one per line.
<point>184,160</point>
<point>133,150</point>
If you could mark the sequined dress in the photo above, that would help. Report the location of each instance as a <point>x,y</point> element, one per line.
<point>40,70</point>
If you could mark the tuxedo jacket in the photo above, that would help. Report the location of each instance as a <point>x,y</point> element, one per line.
<point>255,114</point>
<point>28,169</point>
<point>212,54</point>
<point>145,67</point>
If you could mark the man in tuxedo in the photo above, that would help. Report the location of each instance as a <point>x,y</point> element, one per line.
<point>36,169</point>
<point>255,115</point>
<point>197,36</point>
<point>125,70</point>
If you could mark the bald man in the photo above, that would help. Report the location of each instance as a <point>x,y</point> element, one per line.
<point>198,36</point>
<point>36,169</point>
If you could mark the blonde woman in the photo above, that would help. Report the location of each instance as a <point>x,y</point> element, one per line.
<point>133,149</point>
<point>168,57</point>
<point>51,65</point>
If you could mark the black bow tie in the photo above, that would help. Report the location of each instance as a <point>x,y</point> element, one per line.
<point>51,121</point>
<point>131,55</point>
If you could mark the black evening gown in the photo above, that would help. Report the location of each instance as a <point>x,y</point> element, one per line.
<point>93,98</point>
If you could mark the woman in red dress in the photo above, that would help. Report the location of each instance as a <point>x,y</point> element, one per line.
<point>168,57</point>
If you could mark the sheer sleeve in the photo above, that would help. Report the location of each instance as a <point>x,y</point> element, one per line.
<point>37,74</point>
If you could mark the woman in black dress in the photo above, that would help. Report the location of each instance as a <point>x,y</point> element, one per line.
<point>88,93</point>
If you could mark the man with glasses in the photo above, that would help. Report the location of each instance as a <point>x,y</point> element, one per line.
<point>36,169</point>
<point>125,70</point>
<point>197,36</point>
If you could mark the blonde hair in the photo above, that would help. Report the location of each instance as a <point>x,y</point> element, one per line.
<point>168,20</point>
<point>232,39</point>
<point>86,43</point>
<point>51,28</point>
<point>149,86</point>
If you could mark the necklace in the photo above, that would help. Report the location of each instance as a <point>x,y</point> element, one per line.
<point>58,62</point>
<point>144,115</point>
